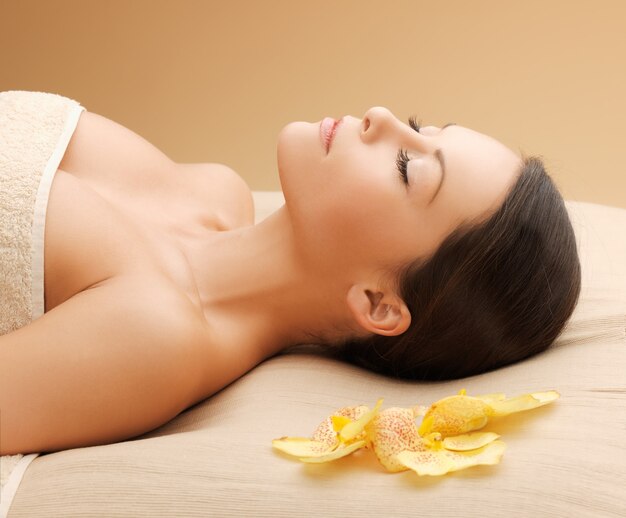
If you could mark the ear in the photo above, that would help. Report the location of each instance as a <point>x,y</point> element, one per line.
<point>378,312</point>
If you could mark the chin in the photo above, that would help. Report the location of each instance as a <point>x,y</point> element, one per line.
<point>298,150</point>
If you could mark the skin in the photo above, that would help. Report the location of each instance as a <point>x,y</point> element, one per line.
<point>320,262</point>
<point>198,293</point>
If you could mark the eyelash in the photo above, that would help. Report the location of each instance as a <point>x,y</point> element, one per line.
<point>402,158</point>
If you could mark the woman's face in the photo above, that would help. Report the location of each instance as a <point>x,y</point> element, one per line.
<point>351,207</point>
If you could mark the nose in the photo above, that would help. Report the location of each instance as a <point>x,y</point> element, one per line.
<point>377,121</point>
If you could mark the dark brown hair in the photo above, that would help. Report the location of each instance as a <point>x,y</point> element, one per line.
<point>492,294</point>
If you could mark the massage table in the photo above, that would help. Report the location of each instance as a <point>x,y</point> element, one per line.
<point>565,459</point>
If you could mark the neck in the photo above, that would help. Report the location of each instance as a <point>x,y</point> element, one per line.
<point>256,291</point>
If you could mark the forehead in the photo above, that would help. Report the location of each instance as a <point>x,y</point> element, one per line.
<point>479,169</point>
<point>462,135</point>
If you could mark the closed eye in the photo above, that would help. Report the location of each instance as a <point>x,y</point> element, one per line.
<point>402,159</point>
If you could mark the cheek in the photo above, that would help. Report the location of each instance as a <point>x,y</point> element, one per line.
<point>362,222</point>
<point>363,197</point>
<point>346,209</point>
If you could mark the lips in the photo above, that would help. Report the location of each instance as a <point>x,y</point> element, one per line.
<point>328,128</point>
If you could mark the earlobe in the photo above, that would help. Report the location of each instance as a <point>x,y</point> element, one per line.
<point>377,312</point>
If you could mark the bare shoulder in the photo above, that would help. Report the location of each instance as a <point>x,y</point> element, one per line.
<point>112,362</point>
<point>223,189</point>
<point>105,152</point>
<point>114,158</point>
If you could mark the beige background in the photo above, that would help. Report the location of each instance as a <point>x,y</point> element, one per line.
<point>209,81</point>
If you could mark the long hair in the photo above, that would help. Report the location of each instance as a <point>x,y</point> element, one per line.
<point>492,294</point>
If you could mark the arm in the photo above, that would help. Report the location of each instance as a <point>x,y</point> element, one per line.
<point>101,367</point>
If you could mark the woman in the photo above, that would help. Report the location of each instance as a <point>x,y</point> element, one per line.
<point>417,252</point>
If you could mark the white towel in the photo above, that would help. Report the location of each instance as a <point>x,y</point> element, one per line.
<point>35,130</point>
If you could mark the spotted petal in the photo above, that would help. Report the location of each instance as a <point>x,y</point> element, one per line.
<point>326,432</point>
<point>339,422</point>
<point>337,454</point>
<point>392,431</point>
<point>354,428</point>
<point>471,441</point>
<point>325,439</point>
<point>302,447</point>
<point>440,462</point>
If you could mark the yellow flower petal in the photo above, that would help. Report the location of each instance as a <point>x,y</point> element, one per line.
<point>546,397</point>
<point>440,445</point>
<point>471,441</point>
<point>524,402</point>
<point>443,461</point>
<point>455,415</point>
<point>354,428</point>
<point>339,422</point>
<point>301,446</point>
<point>325,438</point>
<point>488,398</point>
<point>337,454</point>
<point>392,431</point>
<point>426,462</point>
<point>325,432</point>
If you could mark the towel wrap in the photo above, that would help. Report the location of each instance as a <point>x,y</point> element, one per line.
<point>35,130</point>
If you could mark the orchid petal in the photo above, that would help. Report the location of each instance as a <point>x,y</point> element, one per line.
<point>488,398</point>
<point>351,430</point>
<point>326,433</point>
<point>392,431</point>
<point>455,415</point>
<point>324,439</point>
<point>440,445</point>
<point>339,422</point>
<point>301,447</point>
<point>524,402</point>
<point>471,441</point>
<point>440,462</point>
<point>337,454</point>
